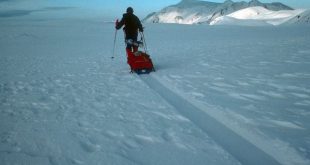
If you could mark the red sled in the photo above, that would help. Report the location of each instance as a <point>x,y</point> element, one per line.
<point>140,62</point>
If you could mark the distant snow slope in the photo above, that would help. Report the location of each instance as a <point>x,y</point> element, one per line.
<point>253,16</point>
<point>302,18</point>
<point>195,11</point>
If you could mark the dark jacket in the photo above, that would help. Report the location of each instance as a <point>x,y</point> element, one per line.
<point>132,24</point>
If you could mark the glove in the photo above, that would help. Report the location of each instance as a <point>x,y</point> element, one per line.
<point>141,30</point>
<point>116,23</point>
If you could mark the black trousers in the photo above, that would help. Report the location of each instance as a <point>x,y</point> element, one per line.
<point>130,40</point>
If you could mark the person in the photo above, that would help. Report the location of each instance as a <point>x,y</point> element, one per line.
<point>132,25</point>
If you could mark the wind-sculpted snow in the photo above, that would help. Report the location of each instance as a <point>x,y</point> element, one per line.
<point>63,100</point>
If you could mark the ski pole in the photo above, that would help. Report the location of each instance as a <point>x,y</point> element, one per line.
<point>144,42</point>
<point>114,45</point>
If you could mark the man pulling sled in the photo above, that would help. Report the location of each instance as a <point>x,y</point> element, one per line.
<point>139,61</point>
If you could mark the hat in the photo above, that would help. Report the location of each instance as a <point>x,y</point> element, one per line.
<point>129,10</point>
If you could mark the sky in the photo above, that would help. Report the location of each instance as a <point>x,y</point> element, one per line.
<point>109,8</point>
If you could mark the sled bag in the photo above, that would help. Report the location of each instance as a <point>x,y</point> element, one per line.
<point>139,61</point>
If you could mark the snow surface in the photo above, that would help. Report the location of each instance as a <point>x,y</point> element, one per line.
<point>219,93</point>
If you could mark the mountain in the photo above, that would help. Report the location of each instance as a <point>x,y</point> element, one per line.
<point>196,11</point>
<point>258,15</point>
<point>185,12</point>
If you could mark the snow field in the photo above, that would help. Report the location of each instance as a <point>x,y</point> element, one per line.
<point>245,78</point>
<point>64,101</point>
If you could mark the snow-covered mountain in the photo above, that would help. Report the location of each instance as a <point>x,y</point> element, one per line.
<point>229,7</point>
<point>258,15</point>
<point>185,12</point>
<point>196,11</point>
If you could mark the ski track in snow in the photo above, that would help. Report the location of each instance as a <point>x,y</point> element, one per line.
<point>244,143</point>
<point>236,145</point>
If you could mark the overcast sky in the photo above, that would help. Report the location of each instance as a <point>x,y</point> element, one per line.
<point>115,8</point>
